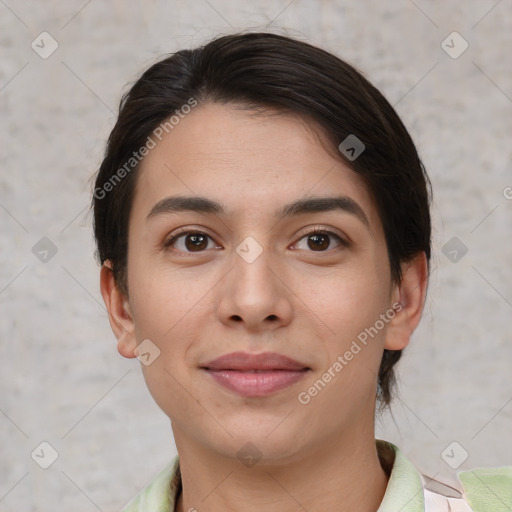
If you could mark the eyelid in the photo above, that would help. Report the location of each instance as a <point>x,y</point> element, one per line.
<point>344,240</point>
<point>186,230</point>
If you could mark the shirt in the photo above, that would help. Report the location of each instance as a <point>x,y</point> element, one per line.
<point>484,489</point>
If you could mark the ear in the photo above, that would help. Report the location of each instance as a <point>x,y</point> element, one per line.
<point>409,298</point>
<point>119,314</point>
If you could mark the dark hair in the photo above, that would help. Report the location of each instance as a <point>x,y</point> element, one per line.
<point>287,75</point>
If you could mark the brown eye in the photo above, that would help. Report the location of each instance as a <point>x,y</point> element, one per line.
<point>321,241</point>
<point>318,241</point>
<point>196,242</point>
<point>189,241</point>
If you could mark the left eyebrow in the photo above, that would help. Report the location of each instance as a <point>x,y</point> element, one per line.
<point>325,204</point>
<point>198,204</point>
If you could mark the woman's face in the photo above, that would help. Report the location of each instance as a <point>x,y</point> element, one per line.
<point>251,280</point>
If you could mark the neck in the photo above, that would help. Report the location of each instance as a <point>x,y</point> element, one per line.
<point>342,475</point>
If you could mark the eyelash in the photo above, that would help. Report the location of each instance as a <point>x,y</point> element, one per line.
<point>317,230</point>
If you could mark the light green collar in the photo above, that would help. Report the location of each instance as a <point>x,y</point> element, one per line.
<point>161,493</point>
<point>405,488</point>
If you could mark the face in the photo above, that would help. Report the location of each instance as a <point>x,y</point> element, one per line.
<point>251,274</point>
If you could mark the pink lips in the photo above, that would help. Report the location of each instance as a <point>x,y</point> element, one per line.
<point>255,375</point>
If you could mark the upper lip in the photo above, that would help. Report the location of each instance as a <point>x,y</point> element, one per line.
<point>247,361</point>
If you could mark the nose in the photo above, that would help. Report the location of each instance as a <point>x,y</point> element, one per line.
<point>255,294</point>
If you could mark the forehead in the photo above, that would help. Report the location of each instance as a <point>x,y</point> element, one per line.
<point>248,161</point>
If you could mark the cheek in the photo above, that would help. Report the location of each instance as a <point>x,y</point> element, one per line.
<point>171,308</point>
<point>347,299</point>
<point>165,305</point>
<point>163,298</point>
<point>350,302</point>
<point>352,350</point>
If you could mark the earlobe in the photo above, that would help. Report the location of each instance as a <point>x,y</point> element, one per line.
<point>410,293</point>
<point>119,314</point>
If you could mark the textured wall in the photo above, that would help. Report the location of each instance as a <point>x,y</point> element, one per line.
<point>62,380</point>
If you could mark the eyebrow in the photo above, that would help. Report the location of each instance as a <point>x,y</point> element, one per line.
<point>199,204</point>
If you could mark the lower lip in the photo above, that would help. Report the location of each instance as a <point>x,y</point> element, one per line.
<point>251,384</point>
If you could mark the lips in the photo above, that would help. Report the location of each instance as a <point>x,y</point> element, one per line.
<point>243,361</point>
<point>255,375</point>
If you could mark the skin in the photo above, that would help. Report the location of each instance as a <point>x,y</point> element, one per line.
<point>304,303</point>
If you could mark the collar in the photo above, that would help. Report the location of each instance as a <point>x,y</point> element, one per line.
<point>405,486</point>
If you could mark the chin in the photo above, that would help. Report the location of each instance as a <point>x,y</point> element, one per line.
<point>269,442</point>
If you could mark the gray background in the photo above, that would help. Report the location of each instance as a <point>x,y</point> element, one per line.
<point>62,380</point>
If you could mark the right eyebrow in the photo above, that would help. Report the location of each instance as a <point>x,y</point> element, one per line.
<point>185,203</point>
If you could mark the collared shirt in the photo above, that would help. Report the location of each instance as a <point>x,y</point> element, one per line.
<point>484,489</point>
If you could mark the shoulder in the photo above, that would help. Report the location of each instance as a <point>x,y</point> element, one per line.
<point>488,489</point>
<point>481,490</point>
